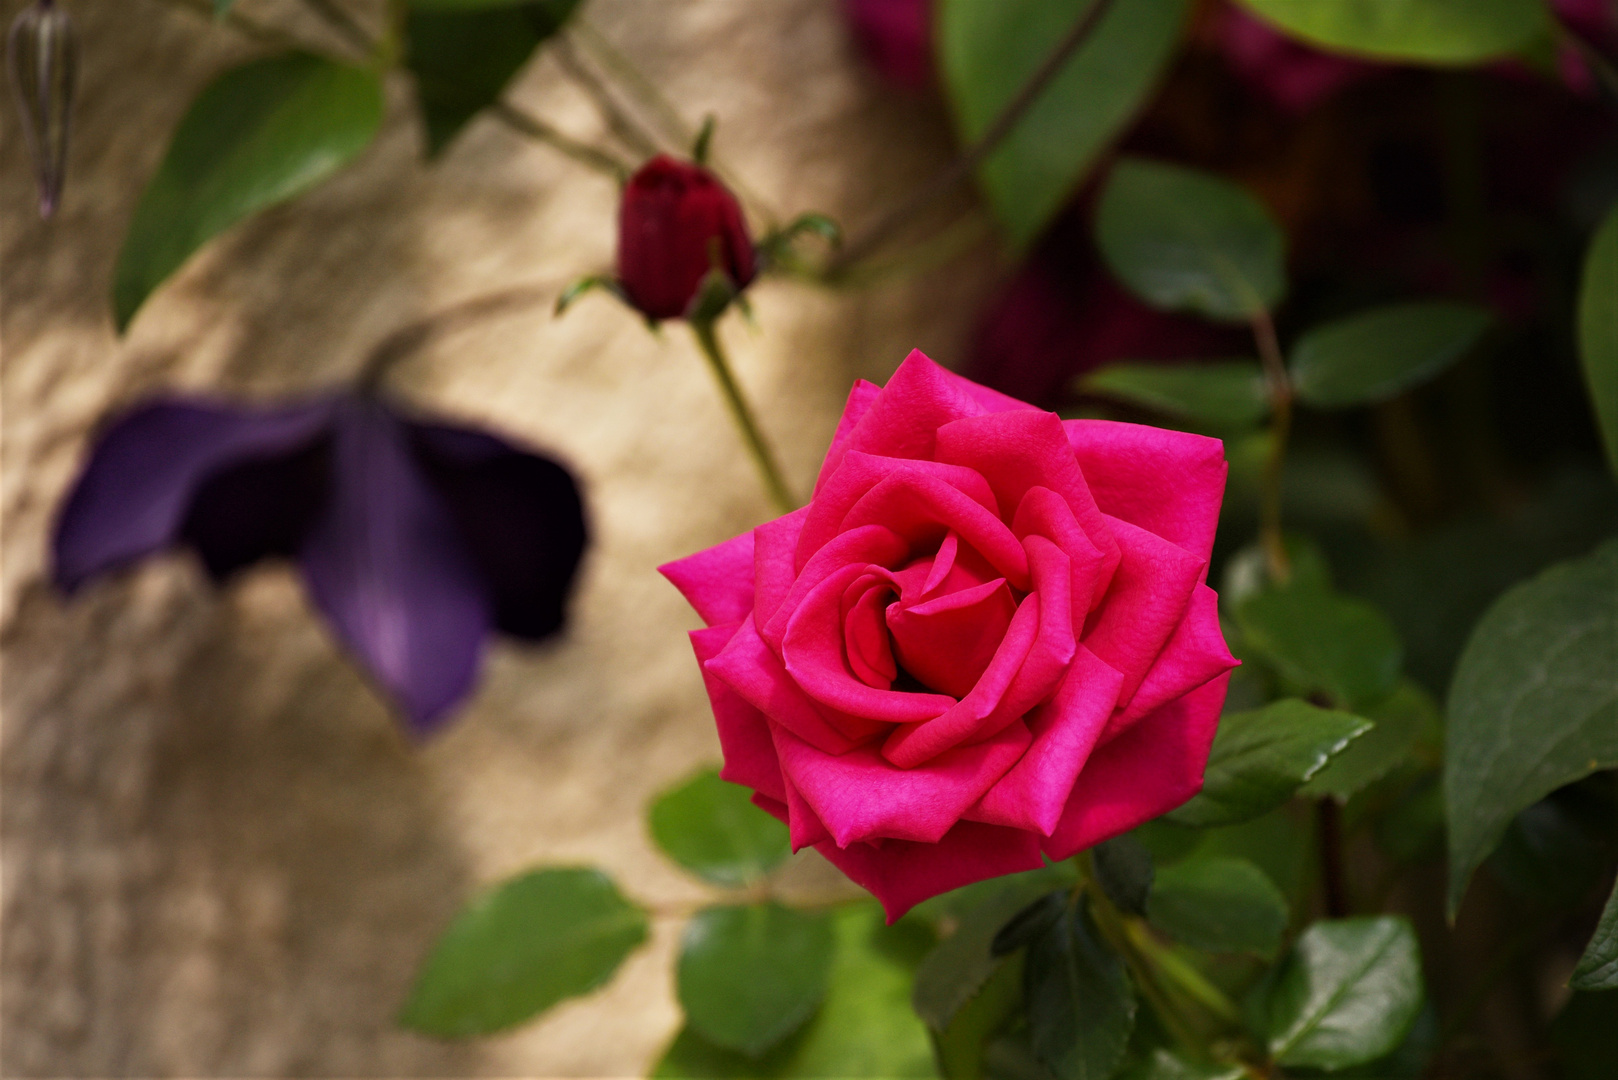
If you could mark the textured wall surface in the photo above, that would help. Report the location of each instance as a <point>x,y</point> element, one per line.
<point>219,857</point>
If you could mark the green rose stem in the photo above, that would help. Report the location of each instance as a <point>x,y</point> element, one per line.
<point>1280,390</point>
<point>532,127</point>
<point>1182,998</point>
<point>774,483</point>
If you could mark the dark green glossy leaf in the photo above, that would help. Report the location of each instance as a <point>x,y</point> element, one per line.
<point>463,54</point>
<point>1413,827</point>
<point>1186,240</point>
<point>1410,1059</point>
<point>1324,642</point>
<point>1598,331</point>
<point>521,948</point>
<point>712,828</point>
<point>1598,967</point>
<point>1123,869</point>
<point>257,135</point>
<point>1417,31</point>
<point>1260,758</point>
<point>864,1028</point>
<point>987,53</point>
<point>1029,923</point>
<point>958,966</point>
<point>1220,392</point>
<point>1347,993</point>
<point>1219,904</point>
<point>1166,1065</point>
<point>1534,703</point>
<point>1379,354</point>
<point>749,976</point>
<point>1400,719</point>
<point>1081,1006</point>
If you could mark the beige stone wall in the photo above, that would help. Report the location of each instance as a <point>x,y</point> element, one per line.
<point>219,857</point>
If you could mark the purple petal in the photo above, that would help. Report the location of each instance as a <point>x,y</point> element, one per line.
<point>521,517</point>
<point>147,470</point>
<point>386,564</point>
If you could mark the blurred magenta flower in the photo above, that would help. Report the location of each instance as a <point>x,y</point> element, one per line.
<point>42,56</point>
<point>1292,75</point>
<point>1596,21</point>
<point>897,37</point>
<point>677,223</point>
<point>414,539</point>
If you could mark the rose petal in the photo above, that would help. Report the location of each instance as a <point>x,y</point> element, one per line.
<point>1066,728</point>
<point>1148,770</point>
<point>804,827</point>
<point>1018,451</point>
<point>1043,512</point>
<point>774,563</point>
<point>922,509</point>
<point>813,654</point>
<point>387,566</point>
<point>865,632</point>
<point>859,474</point>
<point>859,403</point>
<point>1196,653</point>
<point>874,546</point>
<point>138,486</point>
<point>920,398</point>
<point>902,873</point>
<point>860,796</point>
<point>914,744</point>
<point>718,582</point>
<point>1144,604</point>
<point>1167,482</point>
<point>748,666</point>
<point>744,734</point>
<point>948,641</point>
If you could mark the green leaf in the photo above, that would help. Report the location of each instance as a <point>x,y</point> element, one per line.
<point>1324,642</point>
<point>865,1027</point>
<point>1598,330</point>
<point>1123,869</point>
<point>1186,240</point>
<point>987,52</point>
<point>1260,758</point>
<point>1400,719</point>
<point>519,949</point>
<point>1029,923</point>
<point>1416,31</point>
<point>1598,967</point>
<point>464,53</point>
<point>1081,1007</point>
<point>1221,905</point>
<point>1378,354</point>
<point>1167,1065</point>
<point>257,135</point>
<point>1534,703</point>
<point>712,828</point>
<point>221,8</point>
<point>750,976</point>
<point>961,1045</point>
<point>1346,994</point>
<point>1221,392</point>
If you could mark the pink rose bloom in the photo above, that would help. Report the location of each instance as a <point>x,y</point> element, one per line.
<point>987,637</point>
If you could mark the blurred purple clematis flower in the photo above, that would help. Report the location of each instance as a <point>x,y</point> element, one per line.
<point>415,539</point>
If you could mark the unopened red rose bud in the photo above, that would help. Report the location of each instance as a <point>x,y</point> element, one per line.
<point>677,223</point>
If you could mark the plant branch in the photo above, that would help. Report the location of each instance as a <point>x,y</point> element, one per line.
<point>774,483</point>
<point>618,119</point>
<point>1280,390</point>
<point>968,161</point>
<point>243,25</point>
<point>1329,824</point>
<point>332,14</point>
<point>532,127</point>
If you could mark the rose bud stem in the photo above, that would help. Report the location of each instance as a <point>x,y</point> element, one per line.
<point>763,457</point>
